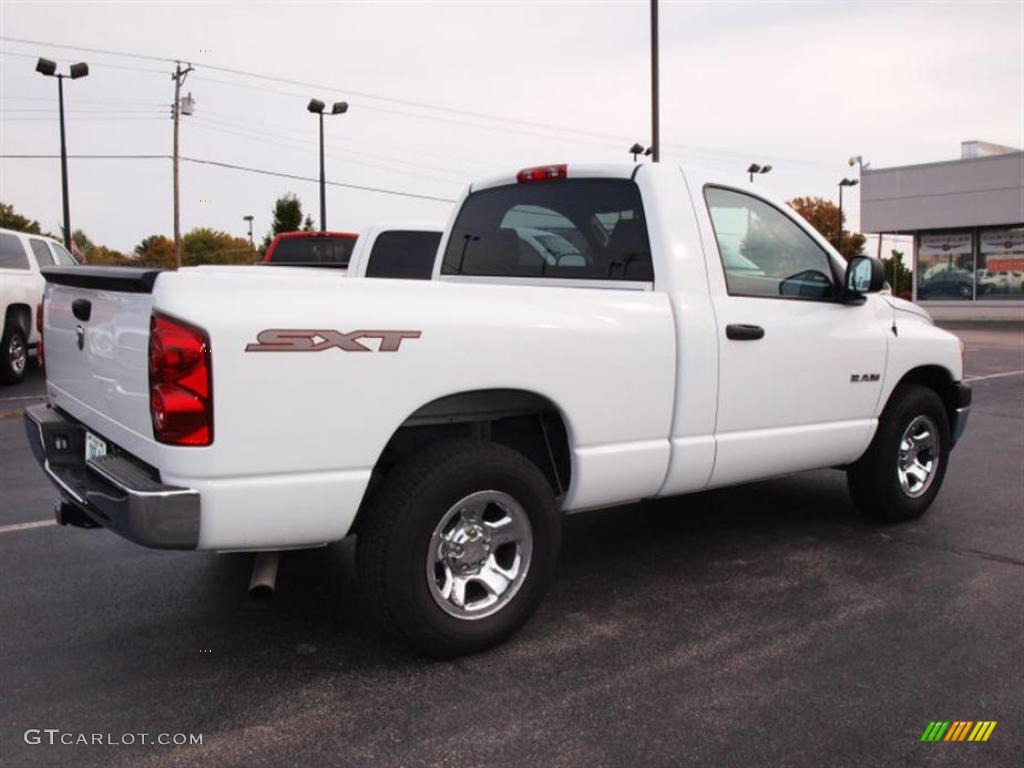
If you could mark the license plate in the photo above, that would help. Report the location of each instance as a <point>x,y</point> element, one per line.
<point>94,447</point>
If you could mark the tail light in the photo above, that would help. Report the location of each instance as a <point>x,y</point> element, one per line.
<point>39,325</point>
<point>543,173</point>
<point>180,382</point>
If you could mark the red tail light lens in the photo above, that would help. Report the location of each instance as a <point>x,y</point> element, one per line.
<point>543,173</point>
<point>39,325</point>
<point>180,382</point>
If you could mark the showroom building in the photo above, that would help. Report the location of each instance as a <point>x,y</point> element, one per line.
<point>967,220</point>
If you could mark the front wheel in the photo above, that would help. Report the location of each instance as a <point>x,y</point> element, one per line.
<point>459,546</point>
<point>14,360</point>
<point>900,474</point>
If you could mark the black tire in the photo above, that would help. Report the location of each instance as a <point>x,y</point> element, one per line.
<point>13,340</point>
<point>874,481</point>
<point>395,534</point>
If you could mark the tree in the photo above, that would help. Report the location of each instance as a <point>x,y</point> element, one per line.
<point>100,254</point>
<point>85,245</point>
<point>823,215</point>
<point>287,217</point>
<point>897,275</point>
<point>209,246</point>
<point>11,219</point>
<point>155,251</point>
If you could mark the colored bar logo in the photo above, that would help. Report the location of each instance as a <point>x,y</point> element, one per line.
<point>958,730</point>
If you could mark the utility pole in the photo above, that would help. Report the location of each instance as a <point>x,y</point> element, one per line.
<point>655,130</point>
<point>179,78</point>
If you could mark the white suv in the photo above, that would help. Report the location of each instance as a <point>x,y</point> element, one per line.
<point>21,291</point>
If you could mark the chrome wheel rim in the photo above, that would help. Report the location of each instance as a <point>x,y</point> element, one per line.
<point>17,354</point>
<point>918,458</point>
<point>479,555</point>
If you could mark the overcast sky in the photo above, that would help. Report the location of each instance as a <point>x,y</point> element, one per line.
<point>799,85</point>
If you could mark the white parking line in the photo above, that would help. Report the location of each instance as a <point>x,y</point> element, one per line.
<point>21,397</point>
<point>26,526</point>
<point>993,376</point>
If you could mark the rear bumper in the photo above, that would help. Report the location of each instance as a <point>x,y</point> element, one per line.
<point>115,491</point>
<point>961,410</point>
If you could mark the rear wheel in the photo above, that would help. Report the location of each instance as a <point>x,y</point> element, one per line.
<point>13,356</point>
<point>901,473</point>
<point>459,546</point>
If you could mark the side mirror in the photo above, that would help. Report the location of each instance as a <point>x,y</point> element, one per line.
<point>864,274</point>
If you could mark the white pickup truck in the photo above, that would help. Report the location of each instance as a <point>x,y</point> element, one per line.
<point>22,255</point>
<point>694,334</point>
<point>397,250</point>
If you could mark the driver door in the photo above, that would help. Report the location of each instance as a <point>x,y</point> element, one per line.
<point>800,373</point>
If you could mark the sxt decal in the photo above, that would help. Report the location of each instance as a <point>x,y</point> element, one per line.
<point>301,340</point>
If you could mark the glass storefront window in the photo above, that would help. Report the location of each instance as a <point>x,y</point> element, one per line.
<point>1001,263</point>
<point>945,266</point>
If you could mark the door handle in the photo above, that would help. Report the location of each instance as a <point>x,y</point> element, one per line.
<point>741,332</point>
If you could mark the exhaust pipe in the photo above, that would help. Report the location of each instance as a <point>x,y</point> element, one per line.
<point>264,576</point>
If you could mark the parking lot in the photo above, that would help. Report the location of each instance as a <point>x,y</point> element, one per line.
<point>764,624</point>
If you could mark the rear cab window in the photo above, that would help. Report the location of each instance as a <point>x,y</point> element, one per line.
<point>42,252</point>
<point>313,251</point>
<point>403,254</point>
<point>62,257</point>
<point>577,229</point>
<point>12,252</point>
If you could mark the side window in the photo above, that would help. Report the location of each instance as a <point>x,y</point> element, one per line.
<point>403,255</point>
<point>12,253</point>
<point>42,252</point>
<point>764,252</point>
<point>591,229</point>
<point>62,257</point>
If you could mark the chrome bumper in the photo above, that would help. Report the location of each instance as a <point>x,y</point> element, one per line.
<point>114,491</point>
<point>961,410</point>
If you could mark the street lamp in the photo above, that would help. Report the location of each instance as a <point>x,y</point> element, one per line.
<point>317,107</point>
<point>839,238</point>
<point>755,168</point>
<point>638,149</point>
<point>249,218</point>
<point>49,69</point>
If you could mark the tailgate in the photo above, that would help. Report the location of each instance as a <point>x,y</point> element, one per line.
<point>96,336</point>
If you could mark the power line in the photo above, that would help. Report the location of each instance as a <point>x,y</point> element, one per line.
<point>93,63</point>
<point>320,86</point>
<point>361,187</point>
<point>234,167</point>
<point>212,126</point>
<point>227,122</point>
<point>607,140</point>
<point>79,119</point>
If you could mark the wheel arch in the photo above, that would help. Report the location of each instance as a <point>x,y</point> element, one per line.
<point>525,421</point>
<point>20,314</point>
<point>938,378</point>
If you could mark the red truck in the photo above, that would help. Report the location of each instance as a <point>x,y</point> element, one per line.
<point>311,249</point>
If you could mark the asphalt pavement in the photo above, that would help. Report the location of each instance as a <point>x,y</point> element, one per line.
<point>767,624</point>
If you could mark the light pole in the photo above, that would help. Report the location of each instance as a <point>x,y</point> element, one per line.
<point>49,69</point>
<point>249,218</point>
<point>638,149</point>
<point>317,107</point>
<point>755,168</point>
<point>839,238</point>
